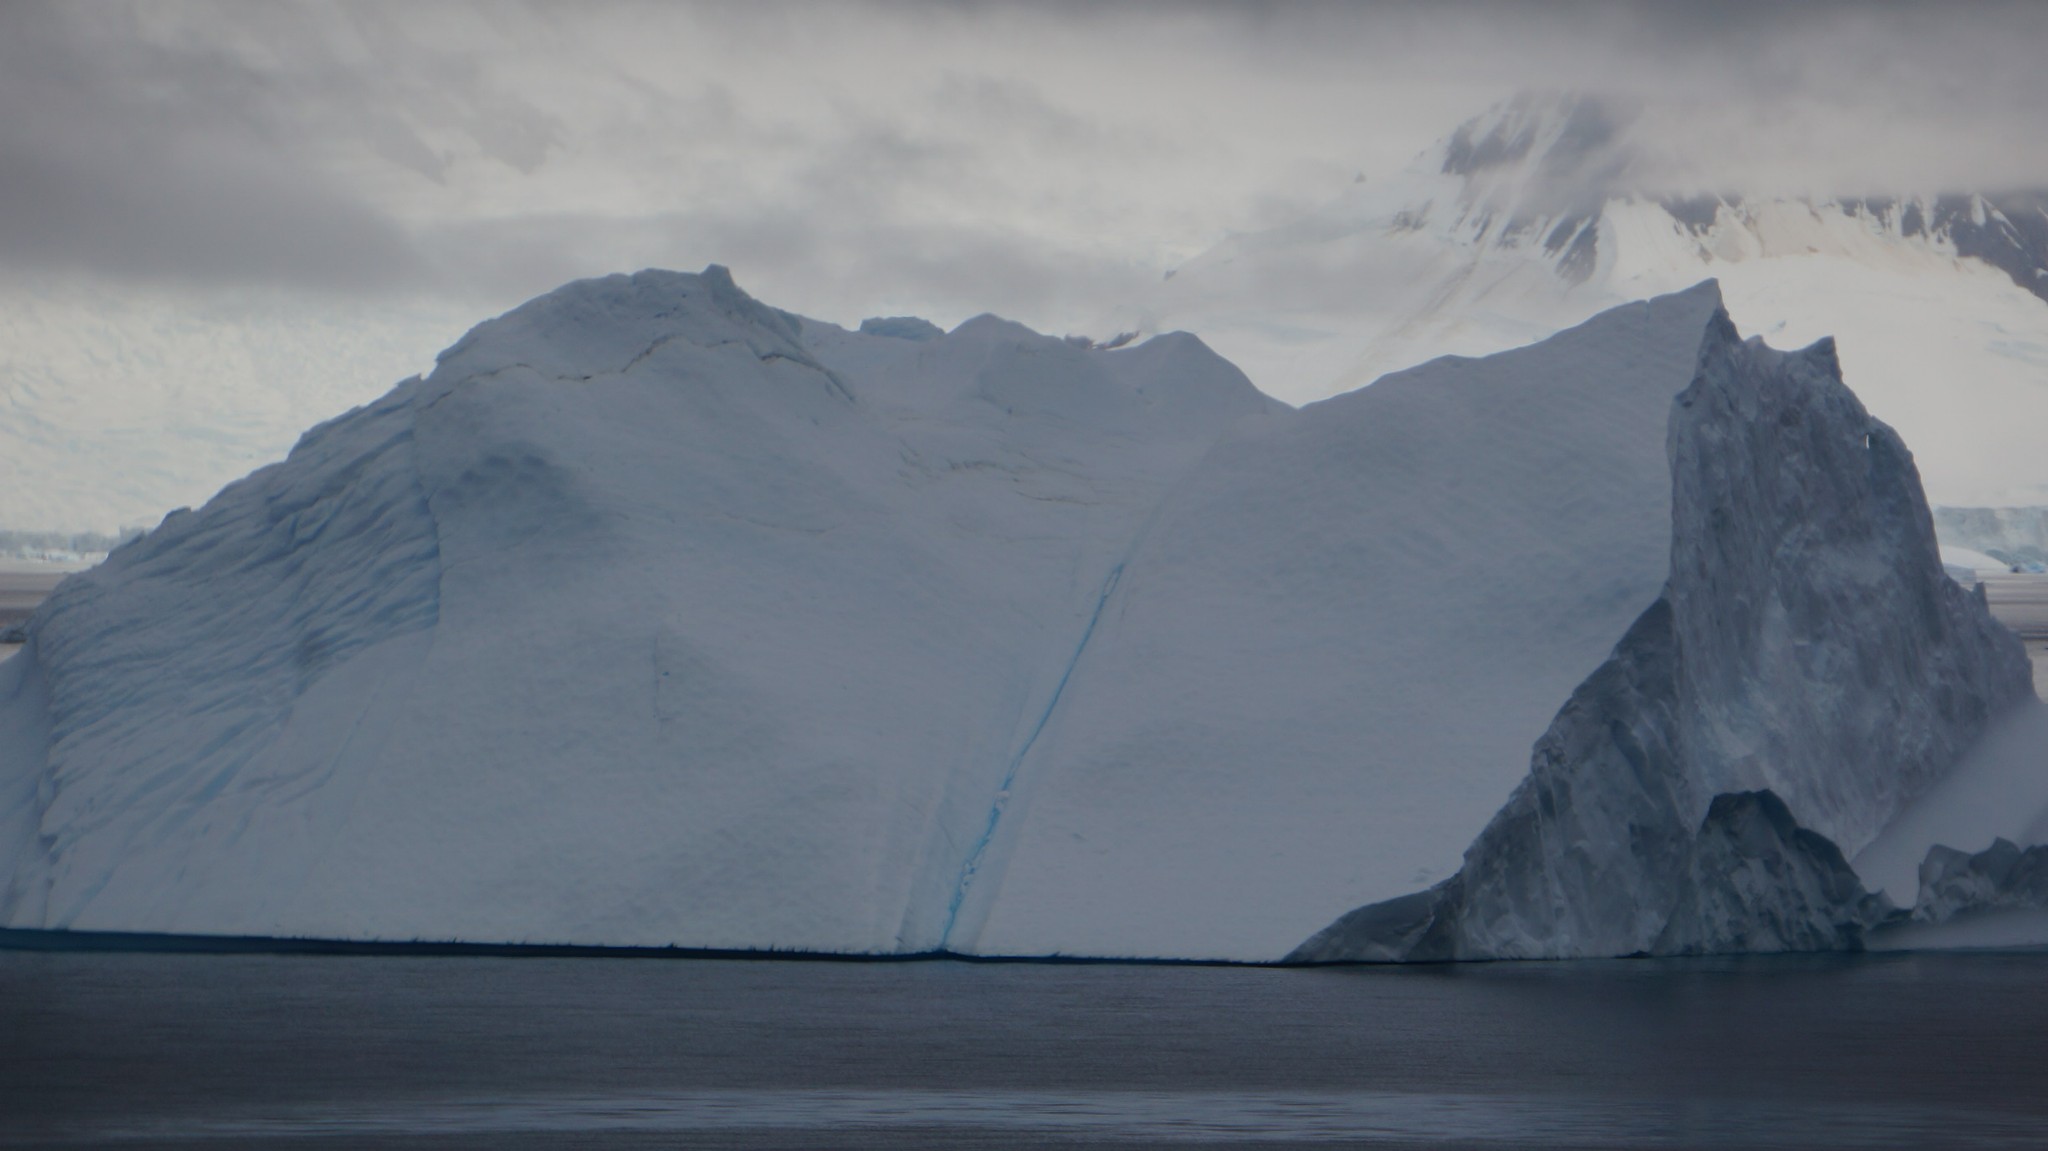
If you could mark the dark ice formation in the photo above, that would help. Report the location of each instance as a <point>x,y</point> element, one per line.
<point>1808,659</point>
<point>1757,881</point>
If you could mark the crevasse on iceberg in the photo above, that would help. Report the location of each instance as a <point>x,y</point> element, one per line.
<point>1808,659</point>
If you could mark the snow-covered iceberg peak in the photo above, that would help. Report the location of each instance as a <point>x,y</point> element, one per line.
<point>612,324</point>
<point>654,615</point>
<point>1806,645</point>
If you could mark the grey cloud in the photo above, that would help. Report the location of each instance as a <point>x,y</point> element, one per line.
<point>134,160</point>
<point>129,151</point>
<point>445,147</point>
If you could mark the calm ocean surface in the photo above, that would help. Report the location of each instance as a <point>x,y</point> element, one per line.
<point>165,1051</point>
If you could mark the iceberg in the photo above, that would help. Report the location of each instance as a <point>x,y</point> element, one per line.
<point>634,623</point>
<point>655,616</point>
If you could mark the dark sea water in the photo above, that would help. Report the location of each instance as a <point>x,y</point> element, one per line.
<point>256,1051</point>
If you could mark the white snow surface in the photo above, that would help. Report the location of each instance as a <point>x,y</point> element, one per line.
<point>655,616</point>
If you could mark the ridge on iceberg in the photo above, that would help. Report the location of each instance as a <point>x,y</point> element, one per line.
<point>1808,651</point>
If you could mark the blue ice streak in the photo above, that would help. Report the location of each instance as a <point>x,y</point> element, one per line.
<point>1002,800</point>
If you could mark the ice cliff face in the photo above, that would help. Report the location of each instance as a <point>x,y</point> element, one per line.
<point>2014,536</point>
<point>1807,646</point>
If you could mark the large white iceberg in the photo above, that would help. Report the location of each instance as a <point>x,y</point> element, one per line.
<point>655,616</point>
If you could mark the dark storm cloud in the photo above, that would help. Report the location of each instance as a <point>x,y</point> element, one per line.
<point>135,159</point>
<point>977,155</point>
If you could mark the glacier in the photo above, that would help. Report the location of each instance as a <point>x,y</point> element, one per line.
<point>1808,660</point>
<point>655,616</point>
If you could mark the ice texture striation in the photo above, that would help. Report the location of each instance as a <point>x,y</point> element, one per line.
<point>1807,645</point>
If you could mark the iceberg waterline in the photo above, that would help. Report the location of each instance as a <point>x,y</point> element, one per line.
<point>852,642</point>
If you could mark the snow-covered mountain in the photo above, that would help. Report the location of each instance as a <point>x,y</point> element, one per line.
<point>1544,211</point>
<point>656,616</point>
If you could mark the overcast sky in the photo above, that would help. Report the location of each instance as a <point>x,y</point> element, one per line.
<point>846,159</point>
